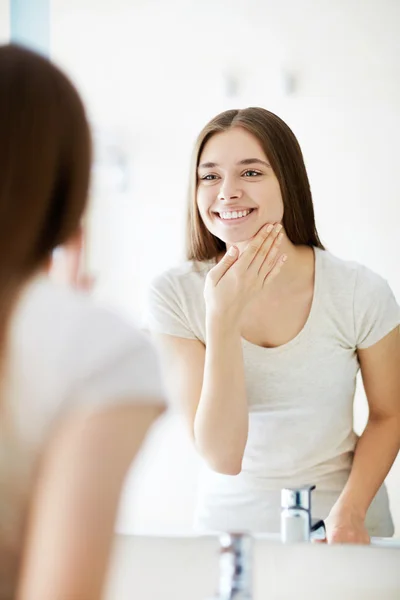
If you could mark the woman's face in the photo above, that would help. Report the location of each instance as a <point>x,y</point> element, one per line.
<point>237,190</point>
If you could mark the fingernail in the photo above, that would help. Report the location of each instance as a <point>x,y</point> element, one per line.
<point>269,228</point>
<point>278,227</point>
<point>280,236</point>
<point>284,258</point>
<point>232,251</point>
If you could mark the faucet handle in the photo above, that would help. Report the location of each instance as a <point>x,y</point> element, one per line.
<point>297,497</point>
<point>318,529</point>
<point>297,523</point>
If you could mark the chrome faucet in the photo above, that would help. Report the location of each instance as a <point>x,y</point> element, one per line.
<point>236,561</point>
<point>297,524</point>
<point>236,549</point>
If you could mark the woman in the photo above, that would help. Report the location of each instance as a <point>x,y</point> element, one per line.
<point>79,388</point>
<point>262,333</point>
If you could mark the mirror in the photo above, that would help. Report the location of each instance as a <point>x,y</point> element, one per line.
<point>152,75</point>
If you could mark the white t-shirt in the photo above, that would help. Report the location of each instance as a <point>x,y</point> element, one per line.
<point>63,352</point>
<point>300,395</point>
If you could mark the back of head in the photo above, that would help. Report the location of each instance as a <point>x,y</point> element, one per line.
<point>45,156</point>
<point>284,154</point>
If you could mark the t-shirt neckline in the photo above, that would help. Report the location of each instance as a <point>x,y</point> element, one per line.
<point>311,316</point>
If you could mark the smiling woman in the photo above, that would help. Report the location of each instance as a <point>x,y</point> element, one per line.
<point>230,194</point>
<point>280,190</point>
<point>262,343</point>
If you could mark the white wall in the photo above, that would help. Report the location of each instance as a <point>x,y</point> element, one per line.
<point>4,21</point>
<point>152,73</point>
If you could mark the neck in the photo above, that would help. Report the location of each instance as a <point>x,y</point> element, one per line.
<point>298,262</point>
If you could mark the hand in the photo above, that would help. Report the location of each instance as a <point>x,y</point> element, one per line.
<point>344,526</point>
<point>236,279</point>
<point>67,265</point>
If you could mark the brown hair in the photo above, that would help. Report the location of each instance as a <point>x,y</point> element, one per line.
<point>45,158</point>
<point>283,151</point>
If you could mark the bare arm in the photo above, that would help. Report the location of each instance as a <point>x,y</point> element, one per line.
<point>380,441</point>
<point>221,422</point>
<point>379,444</point>
<point>209,383</point>
<point>74,507</point>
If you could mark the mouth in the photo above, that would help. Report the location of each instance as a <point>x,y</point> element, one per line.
<point>235,216</point>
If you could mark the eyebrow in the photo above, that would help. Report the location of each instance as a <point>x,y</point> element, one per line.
<point>245,161</point>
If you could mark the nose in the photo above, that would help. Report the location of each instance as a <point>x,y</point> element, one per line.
<point>229,190</point>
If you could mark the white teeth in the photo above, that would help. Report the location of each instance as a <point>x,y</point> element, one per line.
<point>234,214</point>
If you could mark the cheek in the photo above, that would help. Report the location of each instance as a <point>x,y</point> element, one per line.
<point>204,201</point>
<point>272,197</point>
<point>279,203</point>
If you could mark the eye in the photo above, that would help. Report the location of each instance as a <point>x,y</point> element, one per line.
<point>209,177</point>
<point>251,173</point>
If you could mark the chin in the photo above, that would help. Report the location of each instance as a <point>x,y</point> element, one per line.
<point>235,237</point>
<point>232,241</point>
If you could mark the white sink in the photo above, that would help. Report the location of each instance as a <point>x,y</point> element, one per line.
<point>186,568</point>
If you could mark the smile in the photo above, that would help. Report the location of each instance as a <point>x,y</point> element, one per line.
<point>235,215</point>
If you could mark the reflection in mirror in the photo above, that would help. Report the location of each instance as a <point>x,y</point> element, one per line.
<point>262,333</point>
<point>285,355</point>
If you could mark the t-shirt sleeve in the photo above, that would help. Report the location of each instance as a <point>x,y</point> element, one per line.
<point>166,309</point>
<point>120,366</point>
<point>376,311</point>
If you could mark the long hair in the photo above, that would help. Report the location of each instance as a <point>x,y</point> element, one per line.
<point>284,154</point>
<point>45,158</point>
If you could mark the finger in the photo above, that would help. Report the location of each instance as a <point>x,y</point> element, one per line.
<point>229,258</point>
<point>270,275</point>
<point>266,257</point>
<point>254,246</point>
